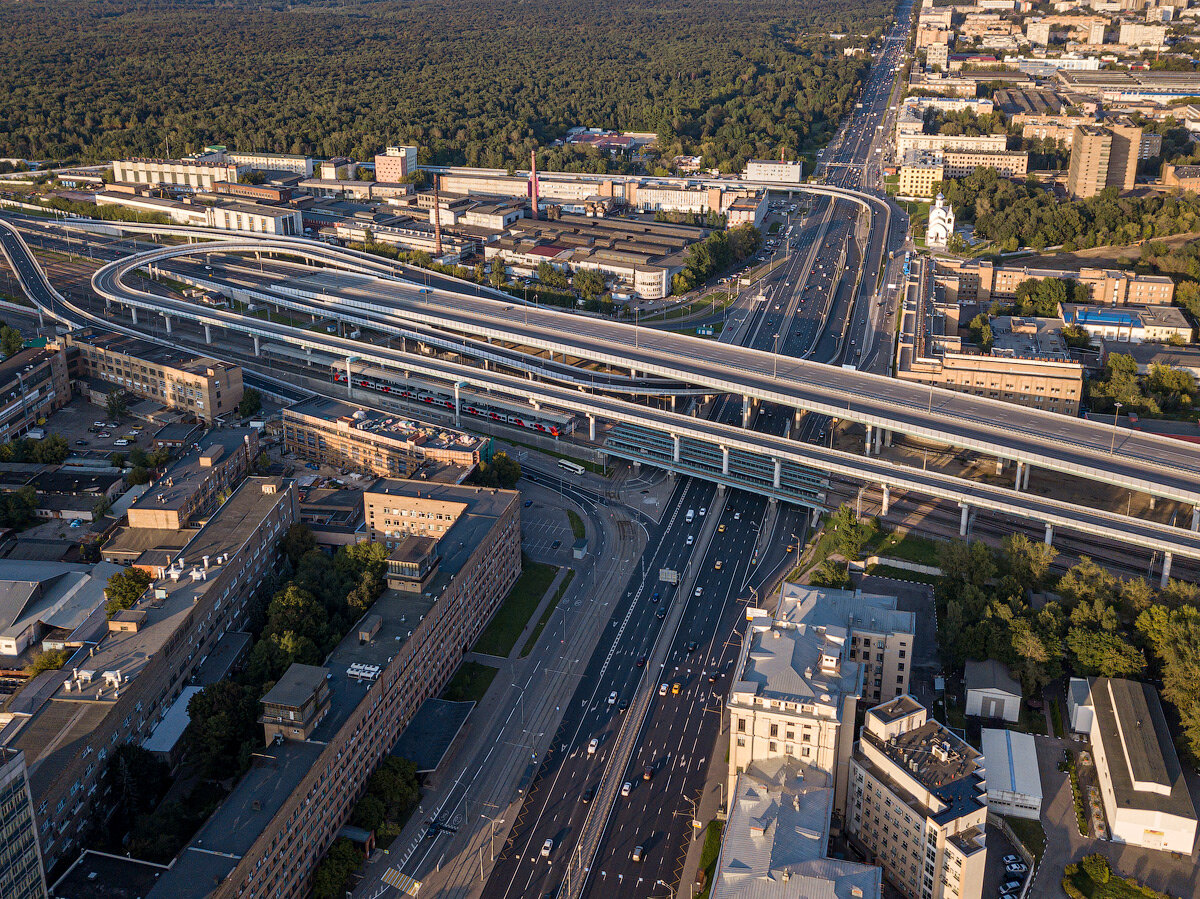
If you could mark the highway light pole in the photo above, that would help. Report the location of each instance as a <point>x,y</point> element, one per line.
<point>776,360</point>
<point>1116,412</point>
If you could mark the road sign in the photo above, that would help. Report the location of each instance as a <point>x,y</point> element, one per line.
<point>668,575</point>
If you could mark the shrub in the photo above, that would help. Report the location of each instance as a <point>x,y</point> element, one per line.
<point>1096,867</point>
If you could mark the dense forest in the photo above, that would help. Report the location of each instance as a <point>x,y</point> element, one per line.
<point>480,82</point>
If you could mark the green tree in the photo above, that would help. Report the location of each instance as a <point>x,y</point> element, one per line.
<point>115,405</point>
<point>11,341</point>
<point>250,403</point>
<point>333,874</point>
<point>49,660</point>
<point>297,541</point>
<point>223,728</point>
<point>588,282</point>
<point>1027,561</point>
<point>1104,654</point>
<point>124,588</point>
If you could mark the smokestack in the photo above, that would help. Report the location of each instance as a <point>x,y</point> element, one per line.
<point>437,217</point>
<point>533,184</point>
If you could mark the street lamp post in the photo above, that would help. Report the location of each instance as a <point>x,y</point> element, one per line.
<point>776,359</point>
<point>1116,412</point>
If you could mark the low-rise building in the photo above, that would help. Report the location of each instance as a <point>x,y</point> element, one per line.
<point>1142,785</point>
<point>195,385</point>
<point>115,688</point>
<point>983,143</point>
<point>1014,783</point>
<point>917,803</point>
<point>21,874</point>
<point>748,210</point>
<point>395,164</point>
<point>331,432</point>
<point>982,282</point>
<point>775,843</point>
<point>992,692</point>
<point>269,834</point>
<point>776,171</point>
<point>921,172</point>
<point>273,162</point>
<point>195,173</point>
<point>1130,324</point>
<point>255,217</point>
<point>1008,163</point>
<point>1147,355</point>
<point>36,383</point>
<point>1184,177</point>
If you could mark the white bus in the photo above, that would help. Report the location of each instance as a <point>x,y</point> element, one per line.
<point>573,467</point>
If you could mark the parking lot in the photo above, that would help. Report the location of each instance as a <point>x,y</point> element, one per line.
<point>91,433</point>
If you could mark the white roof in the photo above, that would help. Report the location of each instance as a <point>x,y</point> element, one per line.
<point>168,731</point>
<point>1011,760</point>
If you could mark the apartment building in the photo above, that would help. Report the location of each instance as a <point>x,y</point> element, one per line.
<point>1107,156</point>
<point>395,164</point>
<point>917,803</point>
<point>1142,36</point>
<point>1142,785</point>
<point>1059,128</point>
<point>34,383</point>
<point>921,171</point>
<point>775,843</point>
<point>267,837</point>
<point>195,385</point>
<point>193,485</point>
<point>121,682</point>
<point>195,173</point>
<point>331,432</point>
<point>983,143</point>
<point>21,874</point>
<point>1008,163</point>
<point>881,635</point>
<point>983,282</point>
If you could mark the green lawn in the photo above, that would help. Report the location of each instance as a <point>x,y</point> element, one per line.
<point>908,547</point>
<point>549,610</point>
<point>708,855</point>
<point>1030,833</point>
<point>469,683</point>
<point>510,619</point>
<point>576,524</point>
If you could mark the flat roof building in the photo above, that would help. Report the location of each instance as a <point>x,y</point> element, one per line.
<point>266,838</point>
<point>343,435</point>
<point>918,803</point>
<point>991,691</point>
<point>1130,324</point>
<point>1146,798</point>
<point>115,689</point>
<point>37,380</point>
<point>982,282</point>
<point>196,385</point>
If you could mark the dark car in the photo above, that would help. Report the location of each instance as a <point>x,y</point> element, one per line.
<point>661,613</point>
<point>81,443</point>
<point>556,544</point>
<point>691,647</point>
<point>588,794</point>
<point>528,503</point>
<point>647,772</point>
<point>656,597</point>
<point>622,705</point>
<point>641,663</point>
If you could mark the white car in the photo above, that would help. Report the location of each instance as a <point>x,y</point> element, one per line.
<point>699,590</point>
<point>690,540</point>
<point>547,848</point>
<point>612,697</point>
<point>662,689</point>
<point>625,788</point>
<point>703,511</point>
<point>592,746</point>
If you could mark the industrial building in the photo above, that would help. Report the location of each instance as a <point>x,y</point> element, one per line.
<point>195,173</point>
<point>36,383</point>
<point>991,691</point>
<point>1145,794</point>
<point>130,670</point>
<point>195,385</point>
<point>21,873</point>
<point>45,604</point>
<point>1130,324</point>
<point>273,162</point>
<point>331,432</point>
<point>267,837</point>
<point>395,164</point>
<point>641,256</point>
<point>983,282</point>
<point>918,803</point>
<point>1014,784</point>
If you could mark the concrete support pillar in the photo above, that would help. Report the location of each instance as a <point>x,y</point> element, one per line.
<point>673,399</point>
<point>458,404</point>
<point>887,501</point>
<point>725,460</point>
<point>1166,574</point>
<point>870,434</point>
<point>799,415</point>
<point>1025,483</point>
<point>746,412</point>
<point>675,443</point>
<point>1020,475</point>
<point>257,346</point>
<point>133,313</point>
<point>349,375</point>
<point>964,520</point>
<point>592,428</point>
<point>878,439</point>
<point>1153,500</point>
<point>778,473</point>
<point>208,333</point>
<point>999,466</point>
<point>167,323</point>
<point>887,437</point>
<point>1196,518</point>
<point>1049,534</point>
